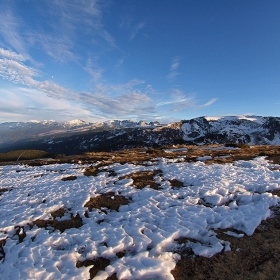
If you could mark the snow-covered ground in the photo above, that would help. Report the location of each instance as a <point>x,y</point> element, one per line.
<point>229,197</point>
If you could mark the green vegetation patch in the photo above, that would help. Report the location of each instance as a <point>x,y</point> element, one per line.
<point>23,155</point>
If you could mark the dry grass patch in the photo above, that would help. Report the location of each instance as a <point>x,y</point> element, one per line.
<point>59,213</point>
<point>73,222</point>
<point>176,184</point>
<point>92,171</point>
<point>276,192</point>
<point>69,178</point>
<point>4,190</point>
<point>2,252</point>
<point>98,264</point>
<point>108,200</point>
<point>113,277</point>
<point>274,158</point>
<point>20,233</point>
<point>144,178</point>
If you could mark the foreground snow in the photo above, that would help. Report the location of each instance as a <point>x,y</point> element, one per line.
<point>230,197</point>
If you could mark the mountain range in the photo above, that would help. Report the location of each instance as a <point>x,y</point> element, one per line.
<point>78,136</point>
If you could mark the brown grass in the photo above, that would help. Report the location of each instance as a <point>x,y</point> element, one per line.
<point>2,252</point>
<point>143,179</point>
<point>92,171</point>
<point>3,190</point>
<point>138,156</point>
<point>69,178</point>
<point>176,184</point>
<point>108,200</point>
<point>22,235</point>
<point>59,213</point>
<point>74,222</point>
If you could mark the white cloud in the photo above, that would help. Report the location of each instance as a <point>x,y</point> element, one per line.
<point>110,101</point>
<point>95,74</point>
<point>68,20</point>
<point>134,99</point>
<point>210,102</point>
<point>23,104</point>
<point>11,55</point>
<point>175,63</point>
<point>16,71</point>
<point>137,29</point>
<point>59,30</point>
<point>180,102</point>
<point>9,29</point>
<point>120,100</point>
<point>60,47</point>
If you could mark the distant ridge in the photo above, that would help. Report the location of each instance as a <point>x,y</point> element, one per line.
<point>79,136</point>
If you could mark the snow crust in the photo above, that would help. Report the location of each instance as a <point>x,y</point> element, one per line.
<point>230,196</point>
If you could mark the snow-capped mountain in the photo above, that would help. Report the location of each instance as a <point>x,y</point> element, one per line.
<point>254,130</point>
<point>79,136</point>
<point>18,131</point>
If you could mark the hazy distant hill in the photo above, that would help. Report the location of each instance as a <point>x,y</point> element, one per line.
<point>79,136</point>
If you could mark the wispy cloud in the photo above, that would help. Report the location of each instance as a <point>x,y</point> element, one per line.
<point>27,103</point>
<point>129,104</point>
<point>173,69</point>
<point>210,102</point>
<point>137,29</point>
<point>94,71</point>
<point>16,71</point>
<point>180,102</point>
<point>69,19</point>
<point>121,100</point>
<point>10,30</point>
<point>11,55</point>
<point>110,101</point>
<point>60,47</point>
<point>59,31</point>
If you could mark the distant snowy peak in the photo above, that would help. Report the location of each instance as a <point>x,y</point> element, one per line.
<point>77,122</point>
<point>254,130</point>
<point>257,119</point>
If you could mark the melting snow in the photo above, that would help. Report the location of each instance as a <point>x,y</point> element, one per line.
<point>230,196</point>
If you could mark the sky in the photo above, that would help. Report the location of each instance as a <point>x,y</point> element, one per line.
<point>156,60</point>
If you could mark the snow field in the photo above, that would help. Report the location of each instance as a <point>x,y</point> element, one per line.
<point>230,197</point>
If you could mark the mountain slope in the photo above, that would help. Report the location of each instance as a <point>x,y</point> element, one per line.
<point>78,136</point>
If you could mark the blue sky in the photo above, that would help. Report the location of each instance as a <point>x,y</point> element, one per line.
<point>142,60</point>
